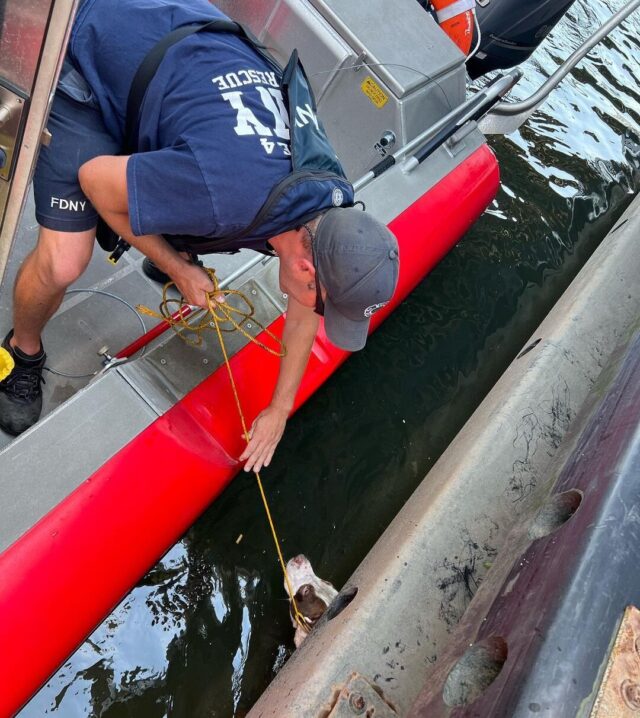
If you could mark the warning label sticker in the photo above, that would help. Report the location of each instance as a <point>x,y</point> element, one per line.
<point>374,92</point>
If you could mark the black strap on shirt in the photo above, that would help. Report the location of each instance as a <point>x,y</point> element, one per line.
<point>151,63</point>
<point>107,238</point>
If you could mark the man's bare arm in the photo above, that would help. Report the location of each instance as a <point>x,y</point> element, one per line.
<point>104,181</point>
<point>301,325</point>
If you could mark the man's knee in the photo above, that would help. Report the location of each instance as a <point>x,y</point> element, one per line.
<point>104,180</point>
<point>87,177</point>
<point>61,257</point>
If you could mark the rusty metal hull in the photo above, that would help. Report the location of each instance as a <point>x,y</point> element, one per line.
<point>557,600</point>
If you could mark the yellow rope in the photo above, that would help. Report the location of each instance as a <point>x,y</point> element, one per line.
<point>221,312</point>
<point>217,313</point>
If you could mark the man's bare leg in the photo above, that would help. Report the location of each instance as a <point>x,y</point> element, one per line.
<point>57,261</point>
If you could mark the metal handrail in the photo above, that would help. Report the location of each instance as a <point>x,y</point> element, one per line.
<point>515,108</point>
<point>457,117</point>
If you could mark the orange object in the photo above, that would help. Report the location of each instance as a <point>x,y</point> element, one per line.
<point>456,19</point>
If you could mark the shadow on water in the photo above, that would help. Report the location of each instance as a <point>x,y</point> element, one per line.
<point>208,627</point>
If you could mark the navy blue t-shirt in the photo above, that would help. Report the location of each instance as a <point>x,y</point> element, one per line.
<point>213,135</point>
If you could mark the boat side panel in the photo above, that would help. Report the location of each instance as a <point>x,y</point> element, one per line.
<point>36,476</point>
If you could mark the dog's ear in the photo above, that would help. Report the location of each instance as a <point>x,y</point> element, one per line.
<point>305,592</point>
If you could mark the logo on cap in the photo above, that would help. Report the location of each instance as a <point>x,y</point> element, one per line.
<point>337,197</point>
<point>370,311</point>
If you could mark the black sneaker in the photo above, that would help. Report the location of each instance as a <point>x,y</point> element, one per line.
<point>21,391</point>
<point>151,271</point>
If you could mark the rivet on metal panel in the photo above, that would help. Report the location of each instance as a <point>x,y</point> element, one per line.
<point>205,361</point>
<point>249,325</point>
<point>163,361</point>
<point>359,696</point>
<point>253,291</point>
<point>357,703</point>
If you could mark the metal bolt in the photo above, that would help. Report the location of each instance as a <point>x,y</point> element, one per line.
<point>357,703</point>
<point>631,694</point>
<point>388,139</point>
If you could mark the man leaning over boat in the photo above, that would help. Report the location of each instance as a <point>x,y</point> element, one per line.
<point>211,170</point>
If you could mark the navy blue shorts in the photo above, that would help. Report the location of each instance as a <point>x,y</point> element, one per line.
<point>77,135</point>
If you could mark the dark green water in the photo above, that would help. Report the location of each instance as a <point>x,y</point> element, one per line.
<point>208,627</point>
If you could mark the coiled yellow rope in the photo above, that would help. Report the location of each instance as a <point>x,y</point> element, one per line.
<point>218,313</point>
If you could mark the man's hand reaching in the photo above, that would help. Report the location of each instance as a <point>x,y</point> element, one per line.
<point>299,331</point>
<point>265,434</point>
<point>192,282</point>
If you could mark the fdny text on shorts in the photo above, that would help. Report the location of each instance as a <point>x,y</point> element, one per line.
<point>72,205</point>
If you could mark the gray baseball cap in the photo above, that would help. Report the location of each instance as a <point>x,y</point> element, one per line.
<point>356,259</point>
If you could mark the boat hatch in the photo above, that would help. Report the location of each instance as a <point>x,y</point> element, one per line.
<point>375,73</point>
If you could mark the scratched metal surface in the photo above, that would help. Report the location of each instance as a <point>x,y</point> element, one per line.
<point>22,27</point>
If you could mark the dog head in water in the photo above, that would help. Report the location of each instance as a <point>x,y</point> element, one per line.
<point>312,595</point>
